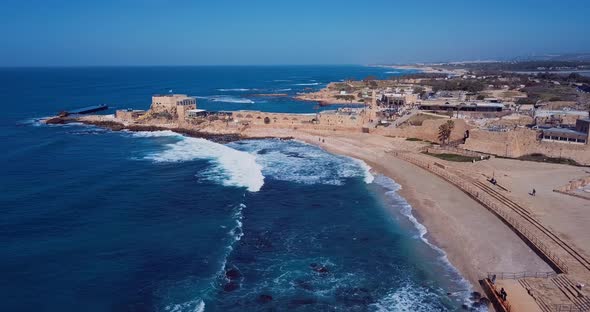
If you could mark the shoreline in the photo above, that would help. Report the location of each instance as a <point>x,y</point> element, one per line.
<point>453,219</point>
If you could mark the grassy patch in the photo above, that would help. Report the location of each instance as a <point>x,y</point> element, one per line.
<point>453,157</point>
<point>544,158</point>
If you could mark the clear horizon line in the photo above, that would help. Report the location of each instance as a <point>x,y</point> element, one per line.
<point>187,65</point>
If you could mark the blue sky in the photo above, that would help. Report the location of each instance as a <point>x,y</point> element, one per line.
<point>190,32</point>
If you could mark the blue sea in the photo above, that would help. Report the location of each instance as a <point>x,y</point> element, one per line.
<point>96,220</point>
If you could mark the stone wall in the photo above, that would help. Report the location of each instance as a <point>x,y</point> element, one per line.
<point>275,119</point>
<point>129,115</point>
<point>428,131</point>
<point>347,120</point>
<point>521,142</point>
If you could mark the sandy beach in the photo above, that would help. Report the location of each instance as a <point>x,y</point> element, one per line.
<point>475,241</point>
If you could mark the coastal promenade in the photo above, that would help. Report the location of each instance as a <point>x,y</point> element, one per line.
<point>553,292</point>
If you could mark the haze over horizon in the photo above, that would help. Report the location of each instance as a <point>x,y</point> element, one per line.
<point>264,32</point>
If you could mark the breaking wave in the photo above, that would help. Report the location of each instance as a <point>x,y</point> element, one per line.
<point>410,299</point>
<point>155,134</point>
<point>303,163</point>
<point>226,99</point>
<point>308,84</point>
<point>189,306</point>
<point>233,167</point>
<point>236,90</point>
<point>406,210</point>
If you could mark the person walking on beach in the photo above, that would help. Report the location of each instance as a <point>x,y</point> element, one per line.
<point>503,294</point>
<point>534,192</point>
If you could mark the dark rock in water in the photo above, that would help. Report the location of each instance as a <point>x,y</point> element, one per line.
<point>262,151</point>
<point>294,155</point>
<point>484,301</point>
<point>321,269</point>
<point>475,296</point>
<point>264,298</point>
<point>313,265</point>
<point>233,274</point>
<point>231,286</point>
<point>464,307</point>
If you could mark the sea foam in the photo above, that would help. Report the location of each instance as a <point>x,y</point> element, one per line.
<point>236,90</point>
<point>233,167</point>
<point>308,84</point>
<point>299,162</point>
<point>189,306</point>
<point>226,99</point>
<point>406,210</point>
<point>409,298</point>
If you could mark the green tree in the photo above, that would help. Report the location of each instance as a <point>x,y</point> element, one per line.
<point>445,130</point>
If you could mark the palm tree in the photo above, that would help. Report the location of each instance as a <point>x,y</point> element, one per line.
<point>445,130</point>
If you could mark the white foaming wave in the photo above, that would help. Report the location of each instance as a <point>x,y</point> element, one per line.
<point>235,234</point>
<point>406,210</point>
<point>408,299</point>
<point>392,72</point>
<point>226,99</point>
<point>189,306</point>
<point>369,177</point>
<point>303,163</point>
<point>235,90</point>
<point>308,84</point>
<point>155,134</point>
<point>35,122</point>
<point>234,168</point>
<point>283,90</point>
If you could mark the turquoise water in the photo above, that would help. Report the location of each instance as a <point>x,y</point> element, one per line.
<point>94,220</point>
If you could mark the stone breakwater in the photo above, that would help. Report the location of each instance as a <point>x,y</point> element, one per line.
<point>119,126</point>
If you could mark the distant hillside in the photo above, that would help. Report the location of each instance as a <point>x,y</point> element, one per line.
<point>570,57</point>
<point>522,65</point>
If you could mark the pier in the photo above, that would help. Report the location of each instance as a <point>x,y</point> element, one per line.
<point>89,109</point>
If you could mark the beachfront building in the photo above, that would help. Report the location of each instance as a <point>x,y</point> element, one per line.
<point>396,100</point>
<point>579,134</point>
<point>463,107</point>
<point>177,105</point>
<point>342,117</point>
<point>558,117</point>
